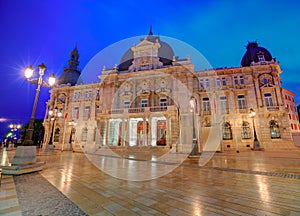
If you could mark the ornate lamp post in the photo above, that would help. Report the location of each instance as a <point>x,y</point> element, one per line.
<point>54,114</point>
<point>256,145</point>
<point>28,74</point>
<point>195,150</point>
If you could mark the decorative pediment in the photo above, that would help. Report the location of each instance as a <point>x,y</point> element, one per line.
<point>145,56</point>
<point>266,80</point>
<point>61,99</point>
<point>145,45</point>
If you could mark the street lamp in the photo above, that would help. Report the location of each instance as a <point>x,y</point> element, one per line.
<point>39,81</point>
<point>54,114</point>
<point>14,127</point>
<point>195,151</point>
<point>256,145</point>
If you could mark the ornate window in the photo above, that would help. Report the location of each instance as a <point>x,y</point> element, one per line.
<point>242,82</point>
<point>88,94</point>
<point>76,112</point>
<point>246,132</point>
<point>76,96</point>
<point>241,102</point>
<point>126,104</point>
<point>207,83</point>
<point>235,80</point>
<point>87,112</point>
<point>274,129</point>
<point>163,102</point>
<point>144,102</point>
<point>205,104</point>
<point>227,132</point>
<point>261,58</point>
<point>268,99</point>
<point>223,81</point>
<point>223,102</point>
<point>218,83</point>
<point>201,83</point>
<point>84,134</point>
<point>56,135</point>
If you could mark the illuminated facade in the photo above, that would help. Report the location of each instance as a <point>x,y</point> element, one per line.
<point>138,102</point>
<point>291,106</point>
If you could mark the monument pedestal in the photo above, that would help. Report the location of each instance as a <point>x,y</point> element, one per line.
<point>23,162</point>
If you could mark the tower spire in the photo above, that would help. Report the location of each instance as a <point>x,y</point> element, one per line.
<point>150,31</point>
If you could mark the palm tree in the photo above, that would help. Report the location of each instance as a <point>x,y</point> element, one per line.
<point>38,132</point>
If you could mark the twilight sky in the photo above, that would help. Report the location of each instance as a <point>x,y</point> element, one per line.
<point>35,31</point>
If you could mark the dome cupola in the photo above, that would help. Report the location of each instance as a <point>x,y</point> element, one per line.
<point>255,54</point>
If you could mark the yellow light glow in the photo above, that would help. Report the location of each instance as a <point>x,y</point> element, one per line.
<point>52,80</point>
<point>28,72</point>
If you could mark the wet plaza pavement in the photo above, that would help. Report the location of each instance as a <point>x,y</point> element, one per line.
<point>245,183</point>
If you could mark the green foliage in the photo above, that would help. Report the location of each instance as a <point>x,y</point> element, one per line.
<point>38,132</point>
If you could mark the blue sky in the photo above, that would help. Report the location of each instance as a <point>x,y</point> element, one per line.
<point>35,31</point>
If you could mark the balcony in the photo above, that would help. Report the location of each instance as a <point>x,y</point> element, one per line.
<point>116,111</point>
<point>138,110</point>
<point>272,108</point>
<point>206,112</point>
<point>158,109</point>
<point>243,110</point>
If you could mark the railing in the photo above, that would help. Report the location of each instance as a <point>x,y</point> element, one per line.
<point>116,111</point>
<point>158,109</point>
<point>136,110</point>
<point>243,110</point>
<point>206,112</point>
<point>272,108</point>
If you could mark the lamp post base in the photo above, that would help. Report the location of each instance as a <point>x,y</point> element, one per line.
<point>256,146</point>
<point>195,152</point>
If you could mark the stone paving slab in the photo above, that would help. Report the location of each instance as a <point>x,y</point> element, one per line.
<point>38,197</point>
<point>249,183</point>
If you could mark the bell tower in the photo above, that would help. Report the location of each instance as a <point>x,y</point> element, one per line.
<point>74,59</point>
<point>71,73</point>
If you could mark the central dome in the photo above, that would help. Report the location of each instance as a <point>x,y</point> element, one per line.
<point>165,53</point>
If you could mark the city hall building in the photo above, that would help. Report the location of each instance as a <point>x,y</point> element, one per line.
<point>142,102</point>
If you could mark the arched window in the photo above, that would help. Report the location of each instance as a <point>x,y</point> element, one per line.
<point>246,132</point>
<point>227,133</point>
<point>84,134</point>
<point>56,135</point>
<point>274,130</point>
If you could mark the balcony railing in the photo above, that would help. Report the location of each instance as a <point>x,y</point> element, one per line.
<point>243,110</point>
<point>206,112</point>
<point>136,110</point>
<point>158,109</point>
<point>116,111</point>
<point>272,108</point>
